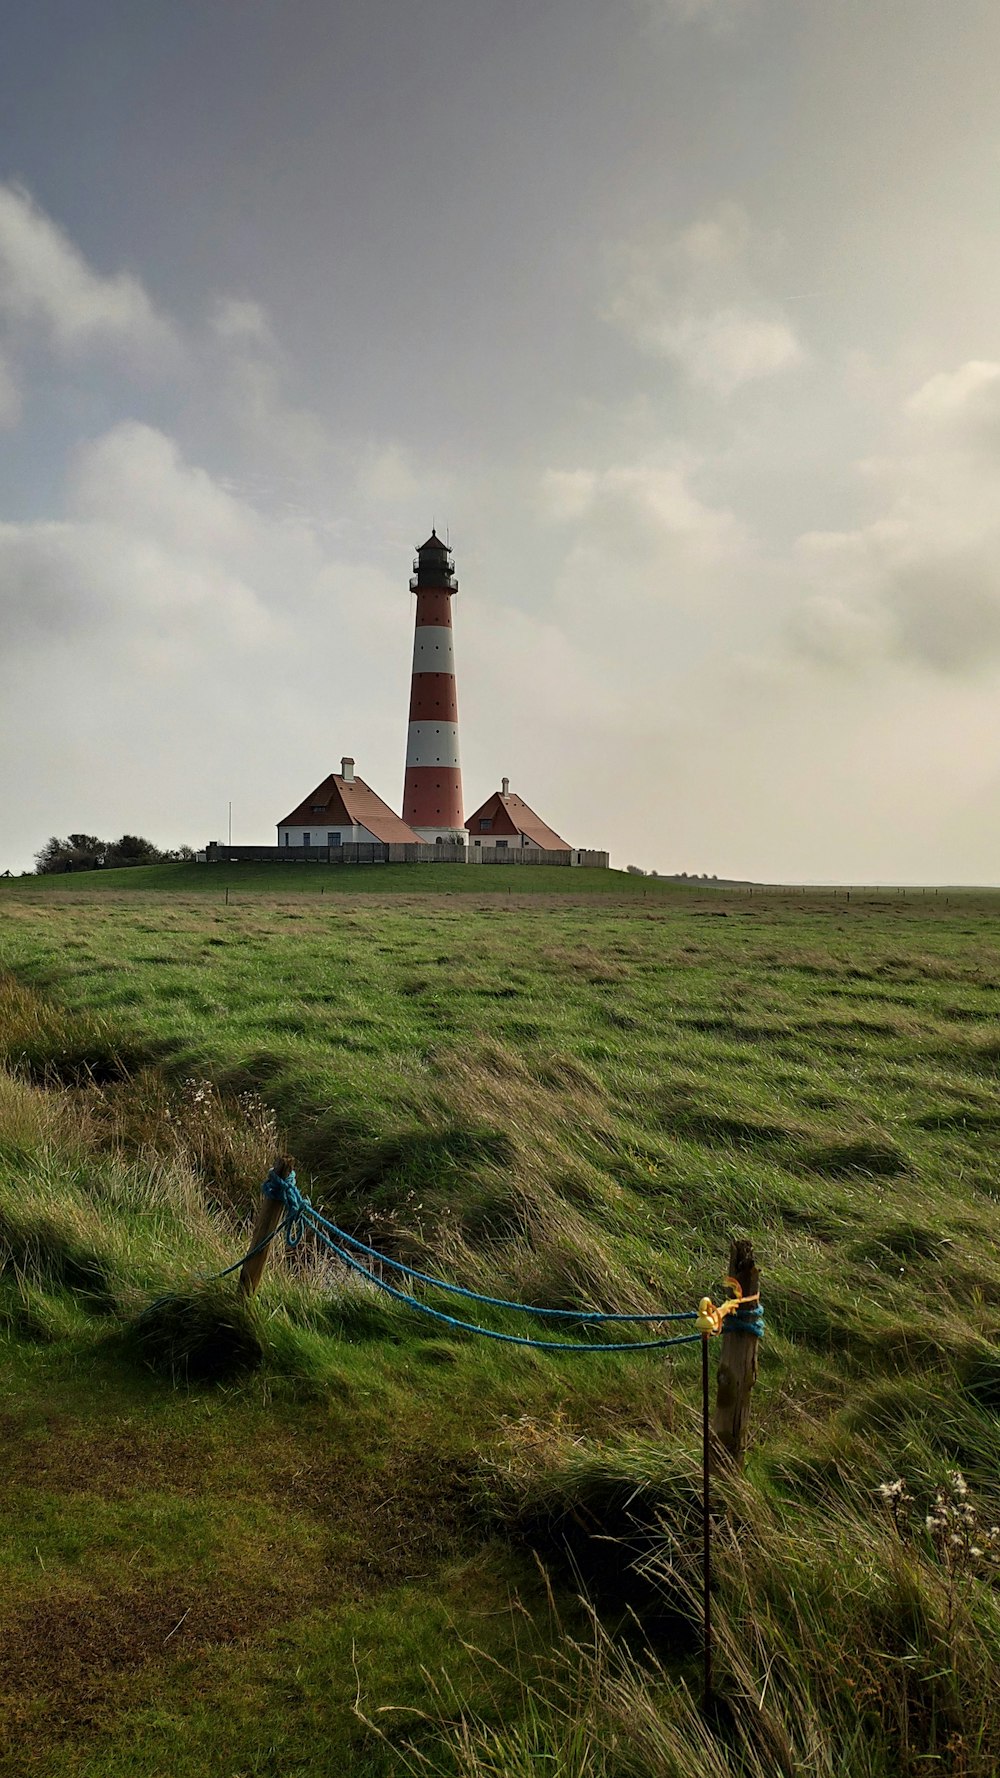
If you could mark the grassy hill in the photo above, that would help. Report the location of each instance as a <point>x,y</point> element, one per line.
<point>323,879</point>
<point>320,1562</point>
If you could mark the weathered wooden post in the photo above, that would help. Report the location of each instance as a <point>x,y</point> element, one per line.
<point>270,1213</point>
<point>737,1368</point>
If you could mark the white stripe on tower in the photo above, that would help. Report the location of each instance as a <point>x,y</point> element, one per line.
<point>432,744</point>
<point>433,649</point>
<point>432,787</point>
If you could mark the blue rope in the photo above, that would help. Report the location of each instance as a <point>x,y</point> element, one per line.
<point>749,1319</point>
<point>489,1333</point>
<point>493,1302</point>
<point>293,1196</point>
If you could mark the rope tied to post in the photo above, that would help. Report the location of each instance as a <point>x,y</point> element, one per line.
<point>747,1313</point>
<point>354,1253</point>
<point>282,1189</point>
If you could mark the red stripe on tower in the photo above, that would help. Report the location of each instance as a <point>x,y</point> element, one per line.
<point>432,787</point>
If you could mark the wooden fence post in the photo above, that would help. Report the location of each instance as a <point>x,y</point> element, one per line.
<point>737,1369</point>
<point>270,1213</point>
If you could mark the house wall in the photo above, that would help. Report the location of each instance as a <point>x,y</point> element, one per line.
<point>516,842</point>
<point>449,836</point>
<point>349,836</point>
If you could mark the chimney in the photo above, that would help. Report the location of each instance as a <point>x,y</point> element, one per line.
<point>347,770</point>
<point>504,786</point>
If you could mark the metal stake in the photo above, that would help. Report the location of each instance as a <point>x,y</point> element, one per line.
<point>706,1508</point>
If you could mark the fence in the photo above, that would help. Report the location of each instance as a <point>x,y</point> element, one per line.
<point>352,853</point>
<point>371,853</point>
<point>739,1319</point>
<point>535,855</point>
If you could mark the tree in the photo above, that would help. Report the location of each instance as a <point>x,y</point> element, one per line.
<point>132,849</point>
<point>79,851</point>
<point>84,851</point>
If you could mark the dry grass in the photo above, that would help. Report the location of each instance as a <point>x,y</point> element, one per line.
<point>842,1650</point>
<point>581,1113</point>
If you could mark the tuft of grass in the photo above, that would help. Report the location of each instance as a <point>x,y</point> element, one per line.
<point>207,1335</point>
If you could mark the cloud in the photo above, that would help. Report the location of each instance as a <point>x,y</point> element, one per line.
<point>963,403</point>
<point>186,645</point>
<point>241,321</point>
<point>46,283</point>
<point>719,15</point>
<point>10,395</point>
<point>388,477</point>
<point>693,302</point>
<point>254,371</point>
<point>723,350</point>
<point>920,584</point>
<point>135,478</point>
<point>153,551</point>
<point>628,508</point>
<point>719,238</point>
<point>652,582</point>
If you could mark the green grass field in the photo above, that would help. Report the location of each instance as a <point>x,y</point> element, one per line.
<point>315,879</point>
<point>575,1091</point>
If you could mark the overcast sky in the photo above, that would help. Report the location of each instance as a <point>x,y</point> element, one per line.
<point>683,315</point>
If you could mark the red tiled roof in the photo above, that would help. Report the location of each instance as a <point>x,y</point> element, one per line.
<point>513,809</point>
<point>337,804</point>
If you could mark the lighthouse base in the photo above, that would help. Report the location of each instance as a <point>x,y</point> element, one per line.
<point>444,836</point>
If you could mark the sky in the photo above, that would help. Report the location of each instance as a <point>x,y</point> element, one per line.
<point>682,317</point>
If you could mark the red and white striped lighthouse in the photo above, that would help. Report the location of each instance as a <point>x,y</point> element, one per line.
<point>432,787</point>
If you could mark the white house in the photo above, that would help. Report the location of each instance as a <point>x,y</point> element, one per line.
<point>343,811</point>
<point>505,822</point>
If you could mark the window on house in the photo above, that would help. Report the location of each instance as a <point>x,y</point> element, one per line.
<point>307,839</point>
<point>284,837</point>
<point>477,842</point>
<point>318,808</point>
<point>485,823</point>
<point>333,839</point>
<point>501,845</point>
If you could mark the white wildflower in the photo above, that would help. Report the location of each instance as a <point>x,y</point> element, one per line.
<point>893,1490</point>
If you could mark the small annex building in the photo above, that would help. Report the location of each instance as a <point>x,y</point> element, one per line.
<point>505,822</point>
<point>344,811</point>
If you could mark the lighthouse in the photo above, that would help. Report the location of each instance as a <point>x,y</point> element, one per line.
<point>432,787</point>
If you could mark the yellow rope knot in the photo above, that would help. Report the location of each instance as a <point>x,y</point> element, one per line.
<point>709,1318</point>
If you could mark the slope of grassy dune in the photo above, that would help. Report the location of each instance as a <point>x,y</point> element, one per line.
<point>315,879</point>
<point>578,1102</point>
